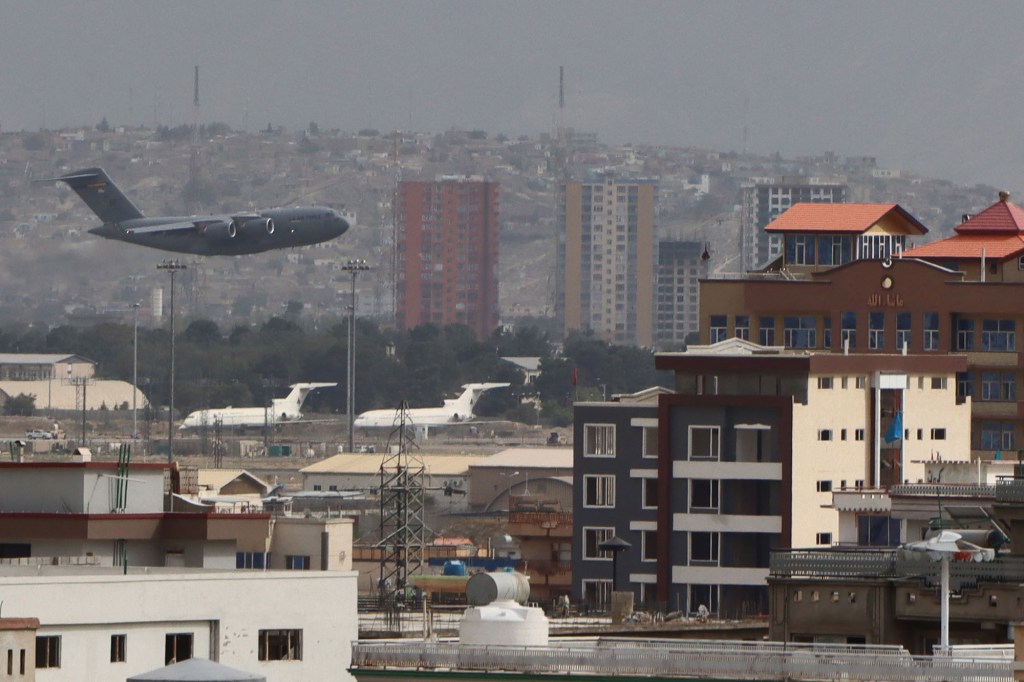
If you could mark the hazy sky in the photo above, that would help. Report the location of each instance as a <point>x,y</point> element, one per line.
<point>928,86</point>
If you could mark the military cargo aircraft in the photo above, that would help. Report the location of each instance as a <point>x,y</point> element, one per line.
<point>230,234</point>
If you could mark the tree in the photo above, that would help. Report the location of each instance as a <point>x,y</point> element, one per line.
<point>103,126</point>
<point>20,405</point>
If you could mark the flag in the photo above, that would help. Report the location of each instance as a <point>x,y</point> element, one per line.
<point>575,376</point>
<point>895,431</point>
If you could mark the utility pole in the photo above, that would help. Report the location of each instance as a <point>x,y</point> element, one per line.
<point>353,267</point>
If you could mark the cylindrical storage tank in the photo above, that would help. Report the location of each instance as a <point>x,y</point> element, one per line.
<point>454,567</point>
<point>484,588</point>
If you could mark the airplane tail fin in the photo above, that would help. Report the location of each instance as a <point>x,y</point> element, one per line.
<point>101,195</point>
<point>471,396</point>
<point>290,407</point>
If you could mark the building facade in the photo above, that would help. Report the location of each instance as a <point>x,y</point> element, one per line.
<point>764,202</point>
<point>605,260</point>
<point>447,253</point>
<point>680,266</point>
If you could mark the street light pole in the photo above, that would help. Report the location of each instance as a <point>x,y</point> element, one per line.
<point>135,374</point>
<point>353,267</point>
<point>172,266</point>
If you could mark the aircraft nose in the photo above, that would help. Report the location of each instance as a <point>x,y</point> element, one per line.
<point>340,224</point>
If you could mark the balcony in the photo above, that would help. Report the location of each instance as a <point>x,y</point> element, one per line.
<point>525,524</point>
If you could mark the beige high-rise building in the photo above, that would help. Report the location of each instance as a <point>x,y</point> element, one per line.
<point>606,259</point>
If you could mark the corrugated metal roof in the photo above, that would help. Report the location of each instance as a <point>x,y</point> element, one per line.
<point>535,458</point>
<point>440,465</point>
<point>58,395</point>
<point>39,358</point>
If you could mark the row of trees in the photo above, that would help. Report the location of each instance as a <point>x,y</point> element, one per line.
<point>250,365</point>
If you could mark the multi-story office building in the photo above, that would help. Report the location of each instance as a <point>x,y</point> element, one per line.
<point>447,253</point>
<point>605,280</point>
<point>680,266</point>
<point>965,298</point>
<point>762,203</point>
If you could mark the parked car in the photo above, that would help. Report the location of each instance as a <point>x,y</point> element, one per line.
<point>38,434</point>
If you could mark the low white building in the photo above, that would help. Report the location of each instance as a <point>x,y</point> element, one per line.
<point>103,625</point>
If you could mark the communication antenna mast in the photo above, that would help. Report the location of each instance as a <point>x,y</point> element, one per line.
<point>402,527</point>
<point>193,160</point>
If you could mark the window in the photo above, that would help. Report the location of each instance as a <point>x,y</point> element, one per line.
<point>766,332</point>
<point>848,332</point>
<point>858,434</point>
<point>997,436</point>
<point>939,383</point>
<point>597,593</point>
<point>825,434</point>
<point>824,487</point>
<point>594,536</point>
<point>964,385</point>
<point>876,331</point>
<point>705,442</point>
<point>598,490</point>
<point>250,560</point>
<point>650,442</point>
<point>862,382</point>
<point>965,334</point>
<point>938,434</point>
<point>650,493</point>
<point>704,547</point>
<point>931,331</point>
<point>742,328</point>
<point>280,645</point>
<point>799,331</point>
<point>47,651</point>
<point>823,538</point>
<point>842,434</point>
<point>704,595</point>
<point>719,327</point>
<point>704,494</point>
<point>649,545</point>
<point>177,647</point>
<point>599,440</point>
<point>1001,386</point>
<point>826,332</point>
<point>317,486</point>
<point>998,335</point>
<point>294,562</point>
<point>118,648</point>
<point>878,531</point>
<point>903,330</point>
<point>825,382</point>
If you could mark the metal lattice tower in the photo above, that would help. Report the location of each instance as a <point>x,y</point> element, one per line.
<point>402,527</point>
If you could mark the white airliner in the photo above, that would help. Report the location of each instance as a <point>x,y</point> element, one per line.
<point>455,410</point>
<point>287,409</point>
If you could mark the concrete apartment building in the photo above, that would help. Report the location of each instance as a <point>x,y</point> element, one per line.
<point>960,295</point>
<point>447,253</point>
<point>680,266</point>
<point>107,624</point>
<point>605,260</point>
<point>763,202</point>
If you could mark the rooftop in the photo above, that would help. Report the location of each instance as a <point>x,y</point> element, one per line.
<point>441,465</point>
<point>536,458</point>
<point>846,218</point>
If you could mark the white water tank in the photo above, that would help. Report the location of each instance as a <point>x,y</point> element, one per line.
<point>497,615</point>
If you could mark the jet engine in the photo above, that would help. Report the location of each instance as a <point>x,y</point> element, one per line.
<point>221,230</point>
<point>256,224</point>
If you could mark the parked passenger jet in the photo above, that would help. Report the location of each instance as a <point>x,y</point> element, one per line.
<point>455,410</point>
<point>287,409</point>
<point>230,234</point>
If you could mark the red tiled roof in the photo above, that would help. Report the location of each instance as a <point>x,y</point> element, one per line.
<point>1002,217</point>
<point>970,246</point>
<point>856,218</point>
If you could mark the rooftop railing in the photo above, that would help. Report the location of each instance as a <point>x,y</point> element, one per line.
<point>943,490</point>
<point>843,564</point>
<point>687,659</point>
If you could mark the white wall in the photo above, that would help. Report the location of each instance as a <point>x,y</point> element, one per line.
<point>78,490</point>
<point>228,608</point>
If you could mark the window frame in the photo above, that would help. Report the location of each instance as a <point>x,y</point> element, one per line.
<point>592,537</point>
<point>714,494</point>
<point>603,494</point>
<point>269,651</point>
<point>48,650</point>
<point>646,486</point>
<point>590,432</point>
<point>714,547</point>
<point>119,648</point>
<point>715,441</point>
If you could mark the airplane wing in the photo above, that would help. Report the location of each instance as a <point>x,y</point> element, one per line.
<point>197,224</point>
